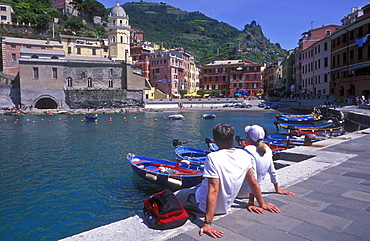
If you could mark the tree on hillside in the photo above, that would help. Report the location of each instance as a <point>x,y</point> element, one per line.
<point>93,8</point>
<point>34,12</point>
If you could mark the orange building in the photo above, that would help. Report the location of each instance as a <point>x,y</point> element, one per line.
<point>232,77</point>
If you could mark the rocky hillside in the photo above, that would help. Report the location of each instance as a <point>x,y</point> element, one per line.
<point>204,37</point>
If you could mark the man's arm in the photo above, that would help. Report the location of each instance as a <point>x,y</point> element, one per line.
<point>281,191</point>
<point>253,184</point>
<point>211,203</point>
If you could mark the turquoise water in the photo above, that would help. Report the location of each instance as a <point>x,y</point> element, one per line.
<point>60,176</point>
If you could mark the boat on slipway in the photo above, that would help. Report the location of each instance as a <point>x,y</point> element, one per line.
<point>297,118</point>
<point>323,126</point>
<point>173,175</point>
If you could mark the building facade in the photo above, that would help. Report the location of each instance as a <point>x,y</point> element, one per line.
<point>84,46</point>
<point>119,35</point>
<point>230,77</point>
<point>6,11</point>
<point>350,58</point>
<point>315,61</point>
<point>169,71</point>
<point>11,49</point>
<point>310,76</point>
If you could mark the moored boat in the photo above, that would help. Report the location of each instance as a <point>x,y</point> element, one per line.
<point>173,175</point>
<point>318,126</point>
<point>91,118</point>
<point>176,117</point>
<point>208,116</point>
<point>296,118</point>
<point>191,155</point>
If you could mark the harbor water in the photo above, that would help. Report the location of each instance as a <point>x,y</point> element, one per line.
<point>60,176</point>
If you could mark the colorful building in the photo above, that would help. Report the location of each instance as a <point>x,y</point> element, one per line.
<point>119,35</point>
<point>169,71</point>
<point>350,57</point>
<point>11,48</point>
<point>231,77</point>
<point>84,46</point>
<point>312,51</point>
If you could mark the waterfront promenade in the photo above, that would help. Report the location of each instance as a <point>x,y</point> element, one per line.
<point>331,180</point>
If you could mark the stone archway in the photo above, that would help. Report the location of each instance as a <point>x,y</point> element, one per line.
<point>46,103</point>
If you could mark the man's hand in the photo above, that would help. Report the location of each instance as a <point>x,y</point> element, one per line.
<point>256,209</point>
<point>211,231</point>
<point>286,192</point>
<point>270,207</point>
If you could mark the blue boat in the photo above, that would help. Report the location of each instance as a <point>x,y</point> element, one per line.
<point>173,175</point>
<point>310,118</point>
<point>191,155</point>
<point>91,118</point>
<point>320,125</point>
<point>209,116</point>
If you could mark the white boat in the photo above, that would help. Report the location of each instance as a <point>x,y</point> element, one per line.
<point>176,117</point>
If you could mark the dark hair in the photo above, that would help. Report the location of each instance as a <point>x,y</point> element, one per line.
<point>223,134</point>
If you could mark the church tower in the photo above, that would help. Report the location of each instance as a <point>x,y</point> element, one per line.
<point>119,35</point>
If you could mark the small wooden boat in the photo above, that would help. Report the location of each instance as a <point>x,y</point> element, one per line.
<point>296,118</point>
<point>173,175</point>
<point>208,116</point>
<point>176,117</point>
<point>191,155</point>
<point>324,125</point>
<point>91,118</point>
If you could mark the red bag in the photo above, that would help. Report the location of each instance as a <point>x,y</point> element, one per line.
<point>163,211</point>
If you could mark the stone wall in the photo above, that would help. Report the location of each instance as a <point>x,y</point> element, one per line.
<point>118,98</point>
<point>9,90</point>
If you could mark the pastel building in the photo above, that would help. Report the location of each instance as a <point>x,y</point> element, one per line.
<point>316,69</point>
<point>119,35</point>
<point>232,76</point>
<point>84,46</point>
<point>11,48</point>
<point>169,71</point>
<point>313,52</point>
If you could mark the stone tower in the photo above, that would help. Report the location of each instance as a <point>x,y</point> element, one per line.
<point>119,35</point>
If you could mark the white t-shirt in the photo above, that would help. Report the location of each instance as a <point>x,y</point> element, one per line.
<point>231,167</point>
<point>261,165</point>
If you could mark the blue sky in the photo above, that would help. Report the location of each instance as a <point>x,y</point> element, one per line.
<point>282,21</point>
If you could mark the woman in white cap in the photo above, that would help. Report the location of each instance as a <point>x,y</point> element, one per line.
<point>263,163</point>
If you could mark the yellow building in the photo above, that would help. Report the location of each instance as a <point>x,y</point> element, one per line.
<point>83,46</point>
<point>119,35</point>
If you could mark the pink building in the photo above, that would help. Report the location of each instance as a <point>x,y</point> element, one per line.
<point>169,71</point>
<point>313,52</point>
<point>10,51</point>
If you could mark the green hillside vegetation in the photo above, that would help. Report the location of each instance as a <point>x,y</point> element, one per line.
<point>204,37</point>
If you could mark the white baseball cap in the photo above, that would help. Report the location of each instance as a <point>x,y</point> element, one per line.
<point>255,132</point>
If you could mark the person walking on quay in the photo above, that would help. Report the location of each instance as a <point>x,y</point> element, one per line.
<point>224,172</point>
<point>262,164</point>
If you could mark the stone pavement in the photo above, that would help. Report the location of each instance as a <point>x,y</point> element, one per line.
<point>331,180</point>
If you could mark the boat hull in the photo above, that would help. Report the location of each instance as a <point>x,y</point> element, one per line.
<point>166,173</point>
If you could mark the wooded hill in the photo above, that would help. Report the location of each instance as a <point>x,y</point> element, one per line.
<point>206,38</point>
